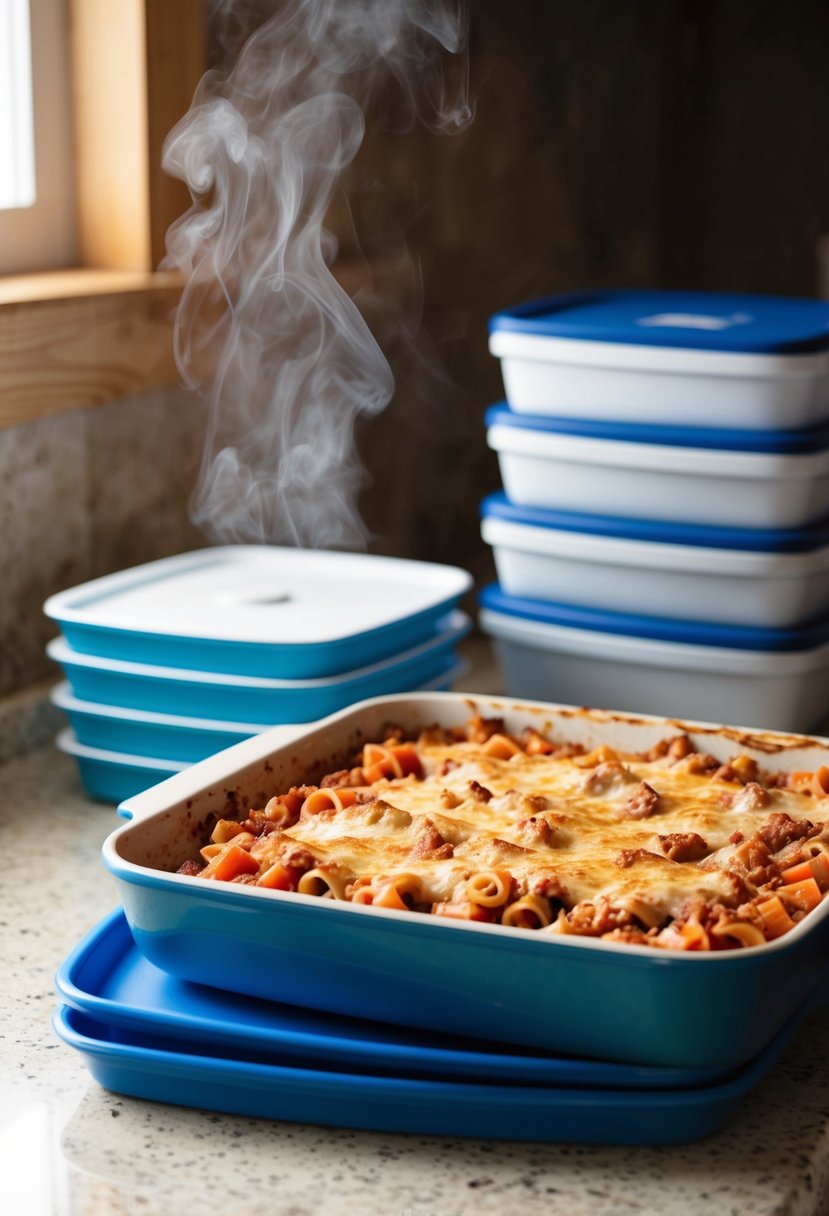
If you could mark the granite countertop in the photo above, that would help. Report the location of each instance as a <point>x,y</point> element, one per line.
<point>69,1148</point>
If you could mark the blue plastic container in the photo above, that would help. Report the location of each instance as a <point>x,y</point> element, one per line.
<point>175,1071</point>
<point>672,435</point>
<point>112,777</point>
<point>652,471</point>
<point>774,679</point>
<point>735,576</point>
<point>144,733</point>
<point>254,699</point>
<point>699,359</point>
<point>260,611</point>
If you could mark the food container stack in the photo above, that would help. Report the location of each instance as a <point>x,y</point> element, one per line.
<point>662,544</point>
<point>172,661</point>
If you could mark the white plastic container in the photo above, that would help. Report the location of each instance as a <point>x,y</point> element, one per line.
<point>708,358</point>
<point>544,467</point>
<point>786,691</point>
<point>697,574</point>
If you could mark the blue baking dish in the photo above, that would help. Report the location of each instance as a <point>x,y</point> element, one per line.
<point>141,1065</point>
<point>260,610</point>
<point>248,698</point>
<point>107,977</point>
<point>575,996</point>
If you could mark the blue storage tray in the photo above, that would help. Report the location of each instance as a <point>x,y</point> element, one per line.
<point>145,733</point>
<point>656,628</point>
<point>259,610</point>
<point>695,320</point>
<point>665,532</point>
<point>114,776</point>
<point>107,977</point>
<point>175,1071</point>
<point>726,439</point>
<point>249,699</point>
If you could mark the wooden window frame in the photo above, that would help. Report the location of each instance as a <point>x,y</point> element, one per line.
<point>74,338</point>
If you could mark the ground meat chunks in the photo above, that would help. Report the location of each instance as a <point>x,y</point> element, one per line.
<point>642,802</point>
<point>538,832</point>
<point>700,762</point>
<point>479,792</point>
<point>479,730</point>
<point>337,780</point>
<point>595,919</point>
<point>676,748</point>
<point>683,846</point>
<point>191,868</point>
<point>534,744</point>
<point>754,859</point>
<point>781,830</point>
<point>431,844</point>
<point>605,777</point>
<point>629,857</point>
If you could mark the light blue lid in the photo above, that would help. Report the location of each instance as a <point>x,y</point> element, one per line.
<point>696,320</point>
<point>726,439</point>
<point>655,628</point>
<point>755,540</point>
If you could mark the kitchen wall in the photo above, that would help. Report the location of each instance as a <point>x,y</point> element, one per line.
<point>652,142</point>
<point>81,494</point>
<point>681,143</point>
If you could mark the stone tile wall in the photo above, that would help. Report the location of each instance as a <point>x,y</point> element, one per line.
<point>82,494</point>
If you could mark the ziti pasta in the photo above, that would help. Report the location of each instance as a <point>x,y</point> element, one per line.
<point>669,848</point>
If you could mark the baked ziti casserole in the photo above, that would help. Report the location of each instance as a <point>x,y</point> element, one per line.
<point>668,848</point>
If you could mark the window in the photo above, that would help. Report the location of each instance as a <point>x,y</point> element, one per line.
<point>37,220</point>
<point>84,316</point>
<point>17,147</point>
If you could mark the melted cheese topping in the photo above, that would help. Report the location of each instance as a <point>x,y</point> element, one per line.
<point>589,826</point>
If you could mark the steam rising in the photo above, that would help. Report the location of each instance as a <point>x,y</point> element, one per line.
<point>285,355</point>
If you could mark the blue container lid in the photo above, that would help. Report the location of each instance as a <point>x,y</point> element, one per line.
<point>725,439</point>
<point>692,320</point>
<point>754,540</point>
<point>655,628</point>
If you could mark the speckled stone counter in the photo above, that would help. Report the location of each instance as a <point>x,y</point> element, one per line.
<point>68,1148</point>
